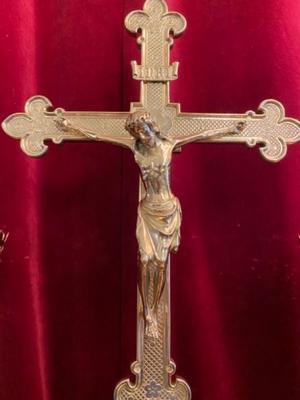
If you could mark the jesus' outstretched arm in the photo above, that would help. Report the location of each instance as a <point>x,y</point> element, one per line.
<point>212,134</point>
<point>123,140</point>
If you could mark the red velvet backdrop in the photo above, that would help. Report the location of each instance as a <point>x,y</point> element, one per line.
<point>68,273</point>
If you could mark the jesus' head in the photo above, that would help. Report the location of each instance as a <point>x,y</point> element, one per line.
<point>142,127</point>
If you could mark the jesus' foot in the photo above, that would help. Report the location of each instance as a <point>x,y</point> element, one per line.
<point>151,328</point>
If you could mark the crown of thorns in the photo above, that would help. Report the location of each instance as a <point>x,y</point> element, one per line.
<point>138,118</point>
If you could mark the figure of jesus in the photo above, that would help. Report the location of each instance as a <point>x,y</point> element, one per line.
<point>159,211</point>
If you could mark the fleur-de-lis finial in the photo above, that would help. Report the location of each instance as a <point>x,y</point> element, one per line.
<point>156,25</point>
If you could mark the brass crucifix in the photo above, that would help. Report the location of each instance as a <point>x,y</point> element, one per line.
<point>152,130</point>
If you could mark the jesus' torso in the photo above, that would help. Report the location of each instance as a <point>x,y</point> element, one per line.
<point>154,163</point>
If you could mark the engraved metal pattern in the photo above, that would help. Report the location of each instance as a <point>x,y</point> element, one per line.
<point>156,24</point>
<point>156,101</point>
<point>269,128</point>
<point>38,125</point>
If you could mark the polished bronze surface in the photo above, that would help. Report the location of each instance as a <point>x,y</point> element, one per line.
<point>152,129</point>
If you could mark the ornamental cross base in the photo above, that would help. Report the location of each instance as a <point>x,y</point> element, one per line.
<point>152,141</point>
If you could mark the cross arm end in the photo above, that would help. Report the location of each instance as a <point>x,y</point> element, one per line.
<point>269,128</point>
<point>40,124</point>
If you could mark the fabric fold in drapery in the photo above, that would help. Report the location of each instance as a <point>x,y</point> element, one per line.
<point>68,271</point>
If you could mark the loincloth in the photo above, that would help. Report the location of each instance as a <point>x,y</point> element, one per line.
<point>158,228</point>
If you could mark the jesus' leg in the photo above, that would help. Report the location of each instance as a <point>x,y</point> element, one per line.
<point>152,278</point>
<point>144,283</point>
<point>159,281</point>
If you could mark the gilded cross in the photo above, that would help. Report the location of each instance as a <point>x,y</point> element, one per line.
<point>156,28</point>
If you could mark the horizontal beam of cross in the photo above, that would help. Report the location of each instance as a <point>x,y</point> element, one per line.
<point>37,125</point>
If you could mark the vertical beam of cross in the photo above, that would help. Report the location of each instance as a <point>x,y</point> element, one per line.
<point>156,29</point>
<point>154,25</point>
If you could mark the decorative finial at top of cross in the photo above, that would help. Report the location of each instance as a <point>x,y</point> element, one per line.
<point>158,27</point>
